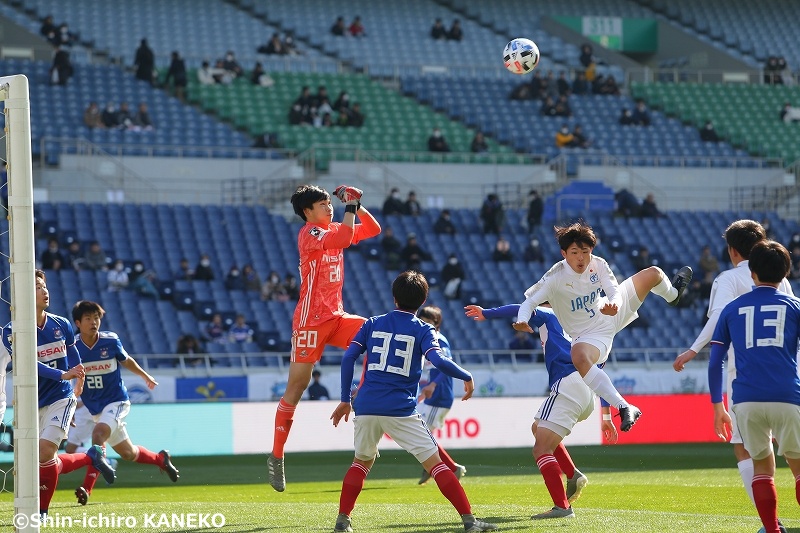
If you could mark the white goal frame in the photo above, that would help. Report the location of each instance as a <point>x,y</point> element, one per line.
<point>15,94</point>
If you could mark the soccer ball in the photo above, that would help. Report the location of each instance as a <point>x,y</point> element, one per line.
<point>521,56</point>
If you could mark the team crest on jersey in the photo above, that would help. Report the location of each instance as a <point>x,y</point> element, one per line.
<point>594,278</point>
<point>104,353</point>
<point>57,333</point>
<point>315,232</point>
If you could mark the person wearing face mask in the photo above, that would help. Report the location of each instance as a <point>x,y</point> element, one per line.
<point>109,117</point>
<point>273,289</point>
<point>443,225</point>
<point>52,258</point>
<point>142,281</point>
<point>203,270</point>
<point>563,137</point>
<point>234,280</point>
<point>708,134</point>
<point>252,281</point>
<point>117,277</point>
<point>393,205</point>
<point>533,252</point>
<point>229,63</point>
<point>452,276</point>
<point>437,142</point>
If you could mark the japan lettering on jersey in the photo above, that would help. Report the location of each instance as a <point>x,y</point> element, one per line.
<point>443,393</point>
<point>321,275</point>
<point>395,344</point>
<point>103,383</point>
<point>52,341</point>
<point>763,326</point>
<point>576,298</point>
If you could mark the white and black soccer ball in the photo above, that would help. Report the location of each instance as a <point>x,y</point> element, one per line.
<point>521,56</point>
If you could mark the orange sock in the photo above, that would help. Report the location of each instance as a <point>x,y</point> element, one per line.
<point>284,416</point>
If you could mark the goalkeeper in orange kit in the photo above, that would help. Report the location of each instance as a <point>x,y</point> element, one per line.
<point>319,318</point>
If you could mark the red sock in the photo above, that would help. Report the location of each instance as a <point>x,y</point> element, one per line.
<point>451,488</point>
<point>351,487</point>
<point>73,461</point>
<point>284,416</point>
<point>766,498</point>
<point>551,473</point>
<point>564,460</point>
<point>797,489</point>
<point>48,480</point>
<point>90,478</point>
<point>446,459</point>
<point>147,457</point>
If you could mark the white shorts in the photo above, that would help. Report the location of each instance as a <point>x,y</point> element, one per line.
<point>570,401</point>
<point>433,416</point>
<point>113,415</point>
<point>81,433</point>
<point>759,422</point>
<point>601,335</point>
<point>409,432</point>
<point>736,436</point>
<point>54,419</point>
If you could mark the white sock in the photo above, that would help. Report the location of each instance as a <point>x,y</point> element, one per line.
<point>665,289</point>
<point>746,471</point>
<point>599,382</point>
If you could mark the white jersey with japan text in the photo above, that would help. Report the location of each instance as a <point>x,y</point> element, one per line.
<point>575,298</point>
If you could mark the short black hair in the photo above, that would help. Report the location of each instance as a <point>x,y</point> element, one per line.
<point>770,261</point>
<point>306,196</point>
<point>85,307</point>
<point>432,315</point>
<point>743,234</point>
<point>410,290</point>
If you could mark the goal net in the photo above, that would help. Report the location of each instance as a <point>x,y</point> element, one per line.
<point>17,290</point>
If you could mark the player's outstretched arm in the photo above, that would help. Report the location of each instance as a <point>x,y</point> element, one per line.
<point>722,420</point>
<point>469,388</point>
<point>368,226</point>
<point>131,364</point>
<point>702,339</point>
<point>608,427</point>
<point>342,410</point>
<point>450,368</point>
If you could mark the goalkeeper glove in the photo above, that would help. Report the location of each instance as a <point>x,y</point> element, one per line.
<point>348,195</point>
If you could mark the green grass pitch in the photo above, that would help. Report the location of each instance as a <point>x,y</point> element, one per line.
<point>669,488</point>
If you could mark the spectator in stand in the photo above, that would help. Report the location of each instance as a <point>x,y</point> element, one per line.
<point>548,108</point>
<point>579,140</point>
<point>296,116</point>
<point>562,84</point>
<point>273,289</point>
<point>452,276</point>
<point>535,210</point>
<point>65,37</point>
<point>207,75</point>
<point>252,281</point>
<point>412,207</point>
<point>564,138</point>
<point>338,27</point>
<point>502,250</point>
<point>587,55</point>
<point>709,268</point>
<point>393,205</point>
<point>177,73</point>
<point>95,258</point>
<point>550,86</point>
<point>215,330</point>
<point>189,345</point>
<point>479,144</point>
<point>356,28</point>
<point>142,281</point>
<point>627,204</point>
<point>233,279</point>
<point>789,113</point>
<point>438,31</point>
<point>492,214</point>
<point>144,62</point>
<point>794,241</point>
<point>521,91</point>
<point>231,66</point>
<point>203,270</point>
<point>649,207</point>
<point>260,77</point>
<point>641,116</point>
<point>184,272</point>
<point>579,85</point>
<point>533,252</point>
<point>124,117</point>
<point>455,33</point>
<point>240,332</point>
<point>291,287</point>
<point>642,259</point>
<point>142,120</point>
<point>342,103</point>
<point>597,83</point>
<point>273,47</point>
<point>413,254</point>
<point>625,117</point>
<point>773,70</point>
<point>117,277</point>
<point>563,108</point>
<point>75,257</point>
<point>437,142</point>
<point>289,45</point>
<point>316,390</point>
<point>708,133</point>
<point>443,224</point>
<point>324,105</point>
<point>49,30</point>
<point>610,87</point>
<point>92,118</point>
<point>355,118</point>
<point>767,225</point>
<point>52,258</point>
<point>61,70</point>
<point>391,247</point>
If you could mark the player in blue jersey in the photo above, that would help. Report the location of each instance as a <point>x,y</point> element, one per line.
<point>570,401</point>
<point>58,362</point>
<point>763,326</point>
<point>386,400</point>
<point>437,396</point>
<point>105,395</point>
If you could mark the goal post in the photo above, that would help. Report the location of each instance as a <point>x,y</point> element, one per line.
<point>15,94</point>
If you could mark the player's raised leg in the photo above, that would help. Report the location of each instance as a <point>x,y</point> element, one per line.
<point>653,279</point>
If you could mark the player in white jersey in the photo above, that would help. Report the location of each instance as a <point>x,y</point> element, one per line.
<point>592,307</point>
<point>740,237</point>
